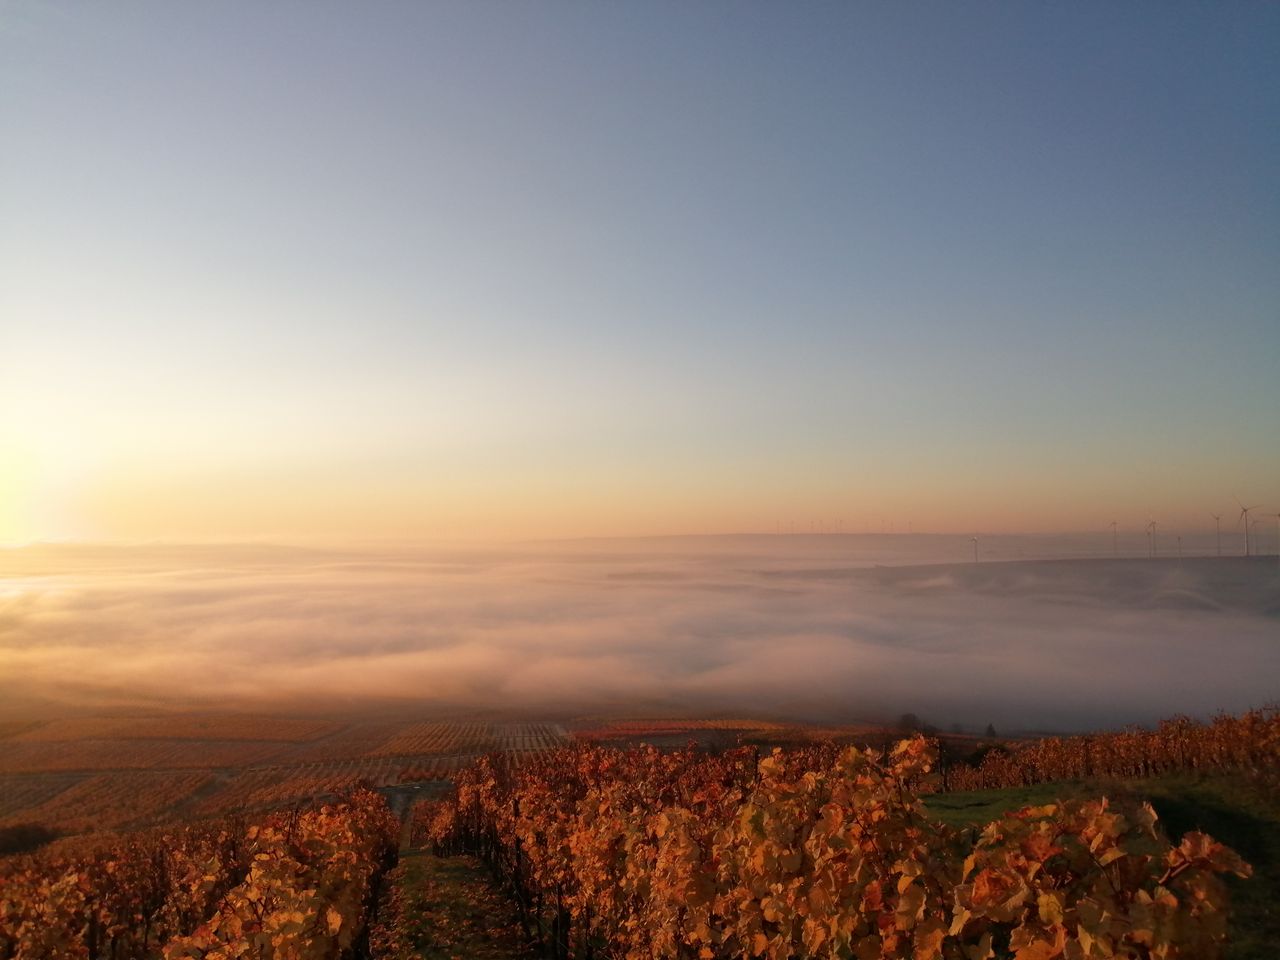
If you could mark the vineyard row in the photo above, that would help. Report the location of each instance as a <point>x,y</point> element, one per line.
<point>820,853</point>
<point>299,885</point>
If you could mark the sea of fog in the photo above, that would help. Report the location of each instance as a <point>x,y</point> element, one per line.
<point>1041,634</point>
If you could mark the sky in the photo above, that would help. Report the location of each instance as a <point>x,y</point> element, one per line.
<point>316,271</point>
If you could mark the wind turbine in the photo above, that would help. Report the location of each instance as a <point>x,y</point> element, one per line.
<point>1151,535</point>
<point>1244,515</point>
<point>1115,543</point>
<point>974,541</point>
<point>1217,527</point>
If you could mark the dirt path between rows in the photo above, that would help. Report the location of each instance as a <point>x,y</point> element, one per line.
<point>447,908</point>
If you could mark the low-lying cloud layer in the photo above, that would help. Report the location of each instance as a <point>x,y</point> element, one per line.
<point>799,626</point>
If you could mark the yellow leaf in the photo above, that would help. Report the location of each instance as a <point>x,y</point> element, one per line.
<point>1050,905</point>
<point>1085,938</point>
<point>1111,856</point>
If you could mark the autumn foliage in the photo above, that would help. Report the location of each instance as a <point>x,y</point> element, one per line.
<point>293,886</point>
<point>821,853</point>
<point>1249,742</point>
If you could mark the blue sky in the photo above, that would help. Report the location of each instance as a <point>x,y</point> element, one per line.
<point>445,269</point>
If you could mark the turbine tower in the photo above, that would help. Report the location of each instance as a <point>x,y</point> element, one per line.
<point>974,541</point>
<point>1217,528</point>
<point>1244,515</point>
<point>1151,535</point>
<point>1115,543</point>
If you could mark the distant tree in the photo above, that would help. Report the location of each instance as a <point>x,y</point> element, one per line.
<point>991,730</point>
<point>909,722</point>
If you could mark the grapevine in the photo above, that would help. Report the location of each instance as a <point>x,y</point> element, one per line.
<point>294,885</point>
<point>820,853</point>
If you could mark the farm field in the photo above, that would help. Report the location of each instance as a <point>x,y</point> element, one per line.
<point>99,755</point>
<point>743,853</point>
<point>1210,776</point>
<point>105,801</point>
<point>23,793</point>
<point>238,727</point>
<point>124,774</point>
<point>639,729</point>
<point>83,774</point>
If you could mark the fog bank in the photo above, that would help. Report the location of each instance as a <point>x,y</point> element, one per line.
<point>808,627</point>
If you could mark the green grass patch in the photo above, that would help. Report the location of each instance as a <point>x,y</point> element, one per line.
<point>977,807</point>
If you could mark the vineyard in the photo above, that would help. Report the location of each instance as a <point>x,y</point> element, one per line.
<point>433,768</point>
<point>20,756</point>
<point>519,738</point>
<point>297,885</point>
<point>638,729</point>
<point>815,851</point>
<point>354,742</point>
<point>111,801</point>
<point>280,786</point>
<point>439,738</point>
<point>19,793</point>
<point>188,727</point>
<point>138,771</point>
<point>818,853</point>
<point>1250,742</point>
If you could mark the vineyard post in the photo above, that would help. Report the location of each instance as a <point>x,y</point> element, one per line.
<point>517,879</point>
<point>93,933</point>
<point>557,929</point>
<point>566,926</point>
<point>537,912</point>
<point>584,933</point>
